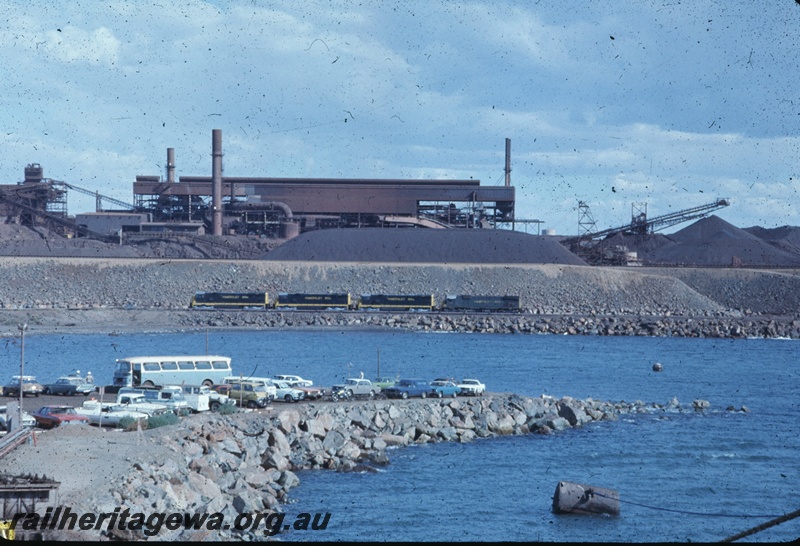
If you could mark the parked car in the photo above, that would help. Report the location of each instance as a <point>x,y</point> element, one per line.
<point>30,387</point>
<point>407,388</point>
<point>287,393</point>
<point>383,382</point>
<point>265,382</point>
<point>27,419</point>
<point>55,416</point>
<point>215,398</point>
<point>445,388</point>
<point>69,385</point>
<point>472,387</point>
<point>138,402</point>
<point>110,415</point>
<point>170,396</point>
<point>355,387</point>
<point>294,380</point>
<point>311,393</point>
<point>247,394</point>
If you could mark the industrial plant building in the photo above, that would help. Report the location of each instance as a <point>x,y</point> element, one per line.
<point>285,207</point>
<point>269,207</point>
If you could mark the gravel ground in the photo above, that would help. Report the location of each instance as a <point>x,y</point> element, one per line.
<point>108,296</point>
<point>56,292</point>
<point>169,284</point>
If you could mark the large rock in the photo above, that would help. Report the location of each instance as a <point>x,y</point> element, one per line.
<point>572,412</point>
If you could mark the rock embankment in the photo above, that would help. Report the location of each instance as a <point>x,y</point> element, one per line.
<point>168,284</point>
<point>247,463</point>
<point>666,326</point>
<point>561,299</point>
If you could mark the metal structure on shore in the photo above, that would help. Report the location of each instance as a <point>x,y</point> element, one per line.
<point>593,245</point>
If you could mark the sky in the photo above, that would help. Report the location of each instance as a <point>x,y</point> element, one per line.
<point>667,105</point>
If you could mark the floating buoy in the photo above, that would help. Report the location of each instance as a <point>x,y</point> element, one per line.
<point>657,367</point>
<point>578,498</point>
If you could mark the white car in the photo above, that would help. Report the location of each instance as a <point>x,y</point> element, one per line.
<point>472,387</point>
<point>355,386</point>
<point>27,419</point>
<point>203,398</point>
<point>169,396</point>
<point>294,380</point>
<point>287,393</point>
<point>106,414</point>
<point>137,402</point>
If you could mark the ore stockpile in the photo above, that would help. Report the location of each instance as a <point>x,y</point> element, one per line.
<point>709,242</point>
<point>477,246</point>
<point>713,242</point>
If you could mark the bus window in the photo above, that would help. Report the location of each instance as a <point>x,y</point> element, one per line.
<point>186,365</point>
<point>221,365</point>
<point>152,367</point>
<point>201,365</point>
<point>169,366</point>
<point>123,366</point>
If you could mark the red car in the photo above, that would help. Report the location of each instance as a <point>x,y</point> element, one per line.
<point>55,416</point>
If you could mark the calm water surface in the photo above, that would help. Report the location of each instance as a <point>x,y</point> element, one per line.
<point>676,473</point>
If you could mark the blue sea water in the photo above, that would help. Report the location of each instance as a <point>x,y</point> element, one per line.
<point>681,476</point>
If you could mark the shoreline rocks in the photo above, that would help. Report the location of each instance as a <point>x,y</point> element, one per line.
<point>524,323</point>
<point>247,462</point>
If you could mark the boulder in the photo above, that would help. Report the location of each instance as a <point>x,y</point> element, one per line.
<point>573,413</point>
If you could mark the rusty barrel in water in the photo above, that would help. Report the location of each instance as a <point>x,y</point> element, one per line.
<point>578,498</point>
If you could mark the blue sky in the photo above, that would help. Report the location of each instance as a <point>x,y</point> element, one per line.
<point>667,103</point>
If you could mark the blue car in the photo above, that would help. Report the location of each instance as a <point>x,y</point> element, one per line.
<point>408,388</point>
<point>445,388</point>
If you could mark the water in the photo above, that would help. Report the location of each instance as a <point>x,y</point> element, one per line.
<point>695,465</point>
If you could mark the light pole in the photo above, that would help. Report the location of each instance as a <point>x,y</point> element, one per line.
<point>22,328</point>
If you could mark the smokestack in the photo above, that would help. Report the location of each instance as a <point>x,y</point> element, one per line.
<point>508,162</point>
<point>216,181</point>
<point>170,165</point>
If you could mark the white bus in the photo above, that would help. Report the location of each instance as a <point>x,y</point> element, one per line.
<point>151,371</point>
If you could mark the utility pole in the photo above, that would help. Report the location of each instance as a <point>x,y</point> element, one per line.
<point>22,328</point>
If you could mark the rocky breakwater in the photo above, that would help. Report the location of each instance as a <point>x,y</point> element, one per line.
<point>656,325</point>
<point>237,467</point>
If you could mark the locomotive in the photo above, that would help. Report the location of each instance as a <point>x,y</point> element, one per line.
<point>365,302</point>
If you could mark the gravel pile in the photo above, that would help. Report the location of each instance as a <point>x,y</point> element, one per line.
<point>476,246</point>
<point>784,238</point>
<point>708,242</point>
<point>16,240</point>
<point>715,242</point>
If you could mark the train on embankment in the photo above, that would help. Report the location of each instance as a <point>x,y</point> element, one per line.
<point>347,301</point>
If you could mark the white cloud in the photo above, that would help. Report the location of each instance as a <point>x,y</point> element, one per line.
<point>71,44</point>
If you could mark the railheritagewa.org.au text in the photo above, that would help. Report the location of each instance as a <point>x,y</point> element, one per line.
<point>62,518</point>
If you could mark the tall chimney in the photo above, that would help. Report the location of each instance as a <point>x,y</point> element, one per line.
<point>170,165</point>
<point>216,181</point>
<point>508,162</point>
